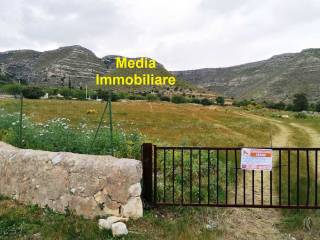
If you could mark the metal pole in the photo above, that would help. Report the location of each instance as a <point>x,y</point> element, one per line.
<point>110,121</point>
<point>99,126</point>
<point>20,118</point>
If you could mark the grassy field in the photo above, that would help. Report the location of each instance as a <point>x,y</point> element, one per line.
<point>161,123</point>
<point>172,124</point>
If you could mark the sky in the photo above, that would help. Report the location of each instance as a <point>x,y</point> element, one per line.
<point>180,34</point>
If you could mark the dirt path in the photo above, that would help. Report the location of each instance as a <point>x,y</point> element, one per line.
<point>314,136</point>
<point>258,223</point>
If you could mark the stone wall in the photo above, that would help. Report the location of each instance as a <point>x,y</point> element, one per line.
<point>86,184</point>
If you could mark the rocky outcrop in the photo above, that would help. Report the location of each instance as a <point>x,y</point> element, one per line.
<point>73,66</point>
<point>86,184</point>
<point>277,78</point>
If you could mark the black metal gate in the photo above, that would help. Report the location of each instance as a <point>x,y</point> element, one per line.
<point>205,176</point>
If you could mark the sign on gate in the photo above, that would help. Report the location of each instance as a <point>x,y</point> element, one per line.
<point>256,159</point>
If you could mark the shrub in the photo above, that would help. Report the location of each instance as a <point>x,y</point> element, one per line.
<point>13,89</point>
<point>196,100</point>
<point>318,106</point>
<point>220,100</point>
<point>241,103</point>
<point>289,107</point>
<point>32,92</point>
<point>279,105</point>
<point>136,97</point>
<point>104,95</point>
<point>179,99</point>
<point>300,115</point>
<point>206,102</point>
<point>152,98</point>
<point>165,98</point>
<point>300,102</point>
<point>58,135</point>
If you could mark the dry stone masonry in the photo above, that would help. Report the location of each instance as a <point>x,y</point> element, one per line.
<point>86,184</point>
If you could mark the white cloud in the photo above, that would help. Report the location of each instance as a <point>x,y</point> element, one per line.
<point>181,34</point>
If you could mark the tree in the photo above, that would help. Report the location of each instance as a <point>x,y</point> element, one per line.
<point>220,100</point>
<point>32,92</point>
<point>300,102</point>
<point>318,106</point>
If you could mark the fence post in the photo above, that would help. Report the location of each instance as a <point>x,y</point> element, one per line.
<point>147,162</point>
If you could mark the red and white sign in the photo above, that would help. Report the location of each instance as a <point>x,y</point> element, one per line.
<point>256,159</point>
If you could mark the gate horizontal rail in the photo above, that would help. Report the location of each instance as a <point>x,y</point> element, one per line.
<point>211,176</point>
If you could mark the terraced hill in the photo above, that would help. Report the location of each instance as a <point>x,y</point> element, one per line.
<point>277,78</point>
<point>73,66</point>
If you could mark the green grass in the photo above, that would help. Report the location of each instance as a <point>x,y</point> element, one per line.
<point>18,221</point>
<point>163,124</point>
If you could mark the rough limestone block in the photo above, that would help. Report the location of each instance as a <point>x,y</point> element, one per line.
<point>133,209</point>
<point>86,184</point>
<point>107,223</point>
<point>119,229</point>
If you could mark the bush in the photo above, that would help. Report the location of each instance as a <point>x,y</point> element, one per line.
<point>165,98</point>
<point>104,95</point>
<point>179,99</point>
<point>241,103</point>
<point>206,102</point>
<point>136,97</point>
<point>300,115</point>
<point>33,92</point>
<point>318,107</point>
<point>58,135</point>
<point>279,105</point>
<point>220,100</point>
<point>289,107</point>
<point>300,102</point>
<point>196,100</point>
<point>12,89</point>
<point>152,98</point>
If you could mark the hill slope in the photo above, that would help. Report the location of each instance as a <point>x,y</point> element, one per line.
<point>66,66</point>
<point>277,78</point>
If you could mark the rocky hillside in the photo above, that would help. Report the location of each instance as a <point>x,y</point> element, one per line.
<point>277,78</point>
<point>65,66</point>
<point>73,66</point>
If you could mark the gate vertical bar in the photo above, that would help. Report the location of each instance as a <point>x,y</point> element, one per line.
<point>190,176</point>
<point>289,160</point>
<point>298,177</point>
<point>164,175</point>
<point>252,179</point>
<point>155,171</point>
<point>147,172</point>
<point>308,176</point>
<point>236,178</point>
<point>199,176</point>
<point>208,176</point>
<point>316,179</point>
<point>217,177</point>
<point>270,187</point>
<point>182,198</point>
<point>226,177</point>
<point>280,164</point>
<point>173,176</point>
<point>261,176</point>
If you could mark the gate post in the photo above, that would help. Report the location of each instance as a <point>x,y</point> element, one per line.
<point>147,162</point>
